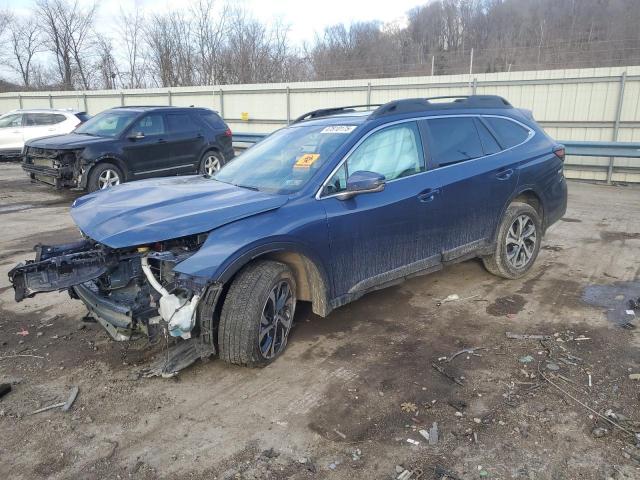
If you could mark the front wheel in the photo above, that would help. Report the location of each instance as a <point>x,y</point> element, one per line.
<point>257,314</point>
<point>517,242</point>
<point>104,175</point>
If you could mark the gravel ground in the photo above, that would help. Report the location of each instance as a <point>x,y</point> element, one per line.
<point>352,388</point>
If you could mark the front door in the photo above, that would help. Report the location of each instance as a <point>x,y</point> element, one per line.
<point>11,132</point>
<point>377,238</point>
<point>146,148</point>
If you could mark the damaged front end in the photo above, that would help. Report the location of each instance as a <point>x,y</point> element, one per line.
<point>131,292</point>
<point>60,168</point>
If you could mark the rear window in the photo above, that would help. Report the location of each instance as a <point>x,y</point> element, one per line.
<point>453,140</point>
<point>37,119</point>
<point>509,133</point>
<point>181,122</point>
<point>212,119</point>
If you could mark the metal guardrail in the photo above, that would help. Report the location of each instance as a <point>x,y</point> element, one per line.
<point>242,141</point>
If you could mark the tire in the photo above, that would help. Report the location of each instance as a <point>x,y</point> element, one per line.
<point>243,333</point>
<point>211,162</point>
<point>104,175</point>
<point>516,251</point>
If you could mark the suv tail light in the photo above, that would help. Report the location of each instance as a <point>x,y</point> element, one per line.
<point>228,133</point>
<point>559,151</point>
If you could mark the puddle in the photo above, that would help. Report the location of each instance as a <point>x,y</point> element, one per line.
<point>615,299</point>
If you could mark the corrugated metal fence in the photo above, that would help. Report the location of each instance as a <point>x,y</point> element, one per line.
<point>600,104</point>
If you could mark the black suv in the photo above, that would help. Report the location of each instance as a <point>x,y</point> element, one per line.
<point>131,143</point>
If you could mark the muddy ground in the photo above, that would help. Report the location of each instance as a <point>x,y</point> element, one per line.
<point>352,388</point>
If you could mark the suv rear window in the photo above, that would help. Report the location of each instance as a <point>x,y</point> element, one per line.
<point>36,119</point>
<point>453,140</point>
<point>212,119</point>
<point>509,133</point>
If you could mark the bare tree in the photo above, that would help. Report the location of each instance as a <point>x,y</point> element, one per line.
<point>131,30</point>
<point>25,41</point>
<point>209,30</point>
<point>106,64</point>
<point>68,30</point>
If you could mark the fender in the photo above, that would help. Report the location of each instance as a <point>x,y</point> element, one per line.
<point>516,193</point>
<point>105,157</point>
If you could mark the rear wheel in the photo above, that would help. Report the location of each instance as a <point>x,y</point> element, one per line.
<point>257,314</point>
<point>517,242</point>
<point>211,162</point>
<point>104,175</point>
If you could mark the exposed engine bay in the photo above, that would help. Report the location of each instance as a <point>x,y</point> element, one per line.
<point>132,292</point>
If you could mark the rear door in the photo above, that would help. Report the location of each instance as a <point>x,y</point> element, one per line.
<point>11,132</point>
<point>383,236</point>
<point>475,177</point>
<point>149,156</point>
<point>186,141</point>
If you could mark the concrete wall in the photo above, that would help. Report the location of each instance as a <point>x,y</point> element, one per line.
<point>577,104</point>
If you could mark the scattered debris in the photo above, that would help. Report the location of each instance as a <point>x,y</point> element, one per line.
<point>442,473</point>
<point>23,332</point>
<point>433,434</point>
<point>425,434</point>
<point>448,375</point>
<point>634,376</point>
<point>525,336</point>
<point>412,441</point>
<point>72,398</point>
<point>340,434</point>
<point>590,382</point>
<point>526,359</point>
<point>599,432</point>
<point>472,351</point>
<point>50,407</point>
<point>553,366</point>
<point>20,355</point>
<point>356,454</point>
<point>4,389</point>
<point>409,407</point>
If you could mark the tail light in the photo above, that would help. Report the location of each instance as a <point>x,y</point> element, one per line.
<point>559,151</point>
<point>228,133</point>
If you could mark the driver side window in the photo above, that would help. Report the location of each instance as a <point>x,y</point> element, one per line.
<point>152,124</point>
<point>394,152</point>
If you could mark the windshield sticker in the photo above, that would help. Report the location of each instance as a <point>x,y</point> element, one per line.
<point>306,160</point>
<point>339,129</point>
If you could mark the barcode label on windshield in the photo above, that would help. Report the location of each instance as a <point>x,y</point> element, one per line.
<point>339,129</point>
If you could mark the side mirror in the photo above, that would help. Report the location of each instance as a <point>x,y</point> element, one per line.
<point>136,136</point>
<point>362,182</point>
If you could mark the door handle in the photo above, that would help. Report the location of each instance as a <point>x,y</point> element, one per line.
<point>428,195</point>
<point>504,174</point>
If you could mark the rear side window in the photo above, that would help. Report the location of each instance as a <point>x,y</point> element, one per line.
<point>213,120</point>
<point>489,143</point>
<point>453,140</point>
<point>38,119</point>
<point>509,133</point>
<point>181,122</point>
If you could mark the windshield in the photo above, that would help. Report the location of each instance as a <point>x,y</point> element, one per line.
<point>285,161</point>
<point>107,124</point>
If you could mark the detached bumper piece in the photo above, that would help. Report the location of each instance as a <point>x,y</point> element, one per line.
<point>59,268</point>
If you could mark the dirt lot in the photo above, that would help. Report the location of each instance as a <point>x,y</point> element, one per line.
<point>354,387</point>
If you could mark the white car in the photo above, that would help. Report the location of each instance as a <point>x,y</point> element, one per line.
<point>18,126</point>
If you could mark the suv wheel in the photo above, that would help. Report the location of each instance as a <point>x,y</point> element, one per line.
<point>257,314</point>
<point>211,162</point>
<point>104,175</point>
<point>517,242</point>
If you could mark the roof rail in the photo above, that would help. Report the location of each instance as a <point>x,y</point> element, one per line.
<point>324,112</point>
<point>410,105</point>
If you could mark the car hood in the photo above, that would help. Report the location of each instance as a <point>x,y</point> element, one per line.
<point>149,211</point>
<point>68,141</point>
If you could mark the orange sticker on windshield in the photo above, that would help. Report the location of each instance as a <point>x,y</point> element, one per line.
<point>306,160</point>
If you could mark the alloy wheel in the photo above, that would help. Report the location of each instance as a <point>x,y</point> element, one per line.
<point>521,241</point>
<point>108,178</point>
<point>212,164</point>
<point>276,320</point>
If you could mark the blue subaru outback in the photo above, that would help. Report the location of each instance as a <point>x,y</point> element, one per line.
<point>341,202</point>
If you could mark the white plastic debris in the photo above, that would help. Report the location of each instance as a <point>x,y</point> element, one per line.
<point>412,441</point>
<point>179,313</point>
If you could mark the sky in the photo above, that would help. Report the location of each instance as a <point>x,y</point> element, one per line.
<point>305,17</point>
